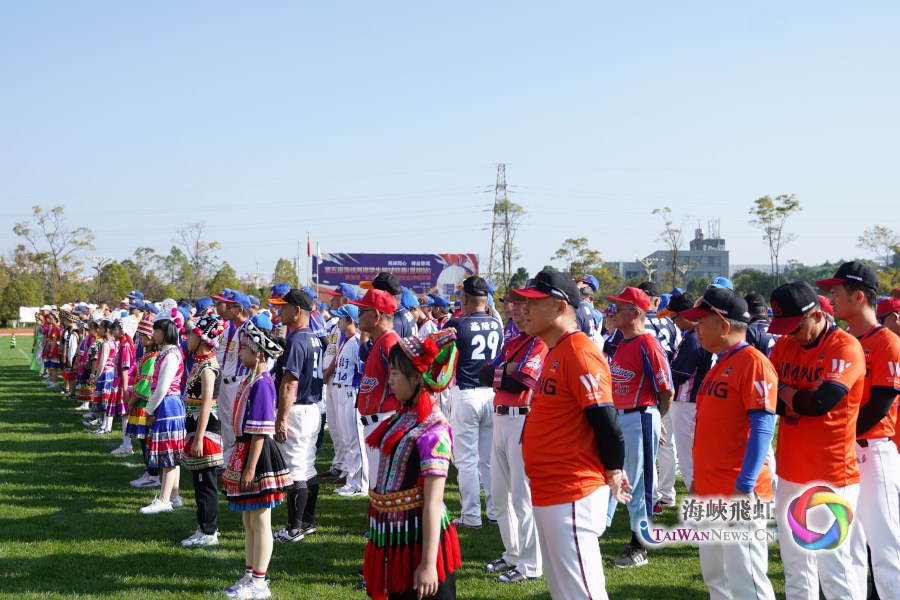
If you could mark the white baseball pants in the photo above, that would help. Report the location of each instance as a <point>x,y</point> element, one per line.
<point>738,570</point>
<point>225,402</point>
<point>334,427</point>
<point>805,570</point>
<point>472,424</point>
<point>667,463</point>
<point>511,496</point>
<point>373,455</point>
<point>876,522</point>
<point>299,451</point>
<point>684,424</point>
<point>568,536</point>
<point>356,462</point>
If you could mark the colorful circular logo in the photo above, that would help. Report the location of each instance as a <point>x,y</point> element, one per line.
<point>819,495</point>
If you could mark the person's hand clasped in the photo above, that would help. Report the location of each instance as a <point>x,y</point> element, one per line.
<point>619,486</point>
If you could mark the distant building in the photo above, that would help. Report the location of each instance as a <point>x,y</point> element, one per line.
<point>707,255</point>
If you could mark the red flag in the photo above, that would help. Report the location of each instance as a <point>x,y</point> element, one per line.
<point>308,245</point>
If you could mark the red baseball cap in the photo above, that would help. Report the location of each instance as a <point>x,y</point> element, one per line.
<point>887,306</point>
<point>633,295</point>
<point>380,300</point>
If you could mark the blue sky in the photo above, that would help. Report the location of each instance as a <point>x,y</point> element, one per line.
<point>378,126</point>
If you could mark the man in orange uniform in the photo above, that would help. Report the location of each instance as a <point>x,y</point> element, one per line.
<point>736,407</point>
<point>821,375</point>
<point>570,481</point>
<point>877,521</point>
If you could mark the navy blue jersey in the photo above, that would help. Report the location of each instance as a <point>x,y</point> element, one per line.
<point>663,330</point>
<point>759,337</point>
<point>302,358</point>
<point>612,343</point>
<point>404,323</point>
<point>584,318</point>
<point>479,339</point>
<point>690,366</point>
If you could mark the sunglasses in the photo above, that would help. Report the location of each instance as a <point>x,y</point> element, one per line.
<point>704,303</point>
<point>796,330</point>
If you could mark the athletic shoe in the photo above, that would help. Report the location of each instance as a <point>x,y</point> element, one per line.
<point>101,431</point>
<point>307,529</point>
<point>330,473</point>
<point>343,488</point>
<point>460,524</point>
<point>177,502</point>
<point>92,423</point>
<point>253,590</point>
<point>157,506</point>
<point>142,479</point>
<point>634,556</point>
<point>123,450</point>
<point>350,493</point>
<point>83,406</point>
<point>285,535</point>
<point>513,576</point>
<point>200,539</point>
<point>492,521</point>
<point>498,566</point>
<point>232,592</point>
<point>151,482</point>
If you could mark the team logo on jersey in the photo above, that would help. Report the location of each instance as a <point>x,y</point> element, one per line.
<point>726,372</point>
<point>591,382</point>
<point>662,377</point>
<point>840,365</point>
<point>555,364</point>
<point>367,384</point>
<point>620,375</point>
<point>894,368</point>
<point>533,363</point>
<point>762,388</point>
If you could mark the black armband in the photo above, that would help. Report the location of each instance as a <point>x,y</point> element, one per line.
<point>605,422</point>
<point>877,408</point>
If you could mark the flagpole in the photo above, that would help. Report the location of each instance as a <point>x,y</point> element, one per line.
<point>297,264</point>
<point>308,260</point>
<point>318,262</point>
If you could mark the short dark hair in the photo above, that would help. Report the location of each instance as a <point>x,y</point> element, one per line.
<point>171,335</point>
<point>398,359</point>
<point>736,325</point>
<point>851,286</point>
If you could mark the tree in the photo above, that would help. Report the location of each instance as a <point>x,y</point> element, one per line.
<point>24,290</point>
<point>671,236</point>
<point>751,280</point>
<point>175,270</point>
<point>54,247</point>
<point>577,258</point>
<point>511,215</point>
<point>225,277</point>
<point>200,256</point>
<point>114,283</point>
<point>285,273</point>
<point>518,279</point>
<point>770,216</point>
<point>880,241</point>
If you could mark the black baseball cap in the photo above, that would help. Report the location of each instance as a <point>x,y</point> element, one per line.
<point>790,302</point>
<point>651,288</point>
<point>680,303</point>
<point>755,302</point>
<point>719,300</point>
<point>851,271</point>
<point>297,298</point>
<point>476,286</point>
<point>551,284</point>
<point>387,282</point>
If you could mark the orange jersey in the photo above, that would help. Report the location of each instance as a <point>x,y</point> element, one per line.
<point>882,349</point>
<point>562,459</point>
<point>742,380</point>
<point>821,448</point>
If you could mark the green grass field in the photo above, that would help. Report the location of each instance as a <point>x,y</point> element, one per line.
<point>69,524</point>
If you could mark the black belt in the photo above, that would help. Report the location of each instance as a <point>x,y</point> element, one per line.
<point>368,419</point>
<point>515,410</point>
<point>865,443</point>
<point>231,379</point>
<point>628,411</point>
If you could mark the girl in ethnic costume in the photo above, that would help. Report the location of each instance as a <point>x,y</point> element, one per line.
<point>137,404</point>
<point>123,384</point>
<point>86,368</point>
<point>52,348</point>
<point>202,452</point>
<point>37,347</point>
<point>70,353</point>
<point>104,375</point>
<point>413,550</point>
<point>165,408</point>
<point>256,475</point>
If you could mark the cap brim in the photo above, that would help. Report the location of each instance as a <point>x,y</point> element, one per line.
<point>529,293</point>
<point>665,313</point>
<point>276,301</point>
<point>617,299</point>
<point>366,285</point>
<point>221,298</point>
<point>784,325</point>
<point>826,284</point>
<point>328,292</point>
<point>695,314</point>
<point>358,303</point>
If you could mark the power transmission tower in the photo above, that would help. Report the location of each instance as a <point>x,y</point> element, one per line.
<point>498,265</point>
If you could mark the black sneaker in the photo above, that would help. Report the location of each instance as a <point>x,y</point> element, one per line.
<point>634,556</point>
<point>307,529</point>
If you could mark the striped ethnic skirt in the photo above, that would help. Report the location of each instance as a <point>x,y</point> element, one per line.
<point>116,406</point>
<point>103,391</point>
<point>269,481</point>
<point>212,445</point>
<point>137,419</point>
<point>165,440</point>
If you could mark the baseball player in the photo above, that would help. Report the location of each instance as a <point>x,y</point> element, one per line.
<point>375,400</point>
<point>821,378</point>
<point>572,402</point>
<point>479,340</point>
<point>233,307</point>
<point>877,522</point>
<point>736,406</point>
<point>335,338</point>
<point>513,378</point>
<point>642,393</point>
<point>404,323</point>
<point>888,314</point>
<point>758,334</point>
<point>298,379</point>
<point>585,318</point>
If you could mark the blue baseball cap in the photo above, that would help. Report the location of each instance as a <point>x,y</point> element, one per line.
<point>441,302</point>
<point>254,301</point>
<point>312,293</point>
<point>348,311</point>
<point>429,301</point>
<point>676,291</point>
<point>280,289</point>
<point>262,320</point>
<point>721,282</point>
<point>150,308</point>
<point>136,295</point>
<point>234,296</point>
<point>663,302</point>
<point>201,304</point>
<point>348,291</point>
<point>408,298</point>
<point>185,313</point>
<point>591,281</point>
<point>223,295</point>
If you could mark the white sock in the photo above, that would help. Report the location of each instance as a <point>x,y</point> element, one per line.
<point>107,423</point>
<point>126,439</point>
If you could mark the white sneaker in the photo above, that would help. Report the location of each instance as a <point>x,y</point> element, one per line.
<point>101,431</point>
<point>83,406</point>
<point>177,502</point>
<point>232,592</point>
<point>342,489</point>
<point>285,535</point>
<point>151,481</point>
<point>157,506</point>
<point>253,590</point>
<point>200,539</point>
<point>140,480</point>
<point>351,493</point>
<point>122,451</point>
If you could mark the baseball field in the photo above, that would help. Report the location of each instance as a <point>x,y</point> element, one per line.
<point>69,524</point>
